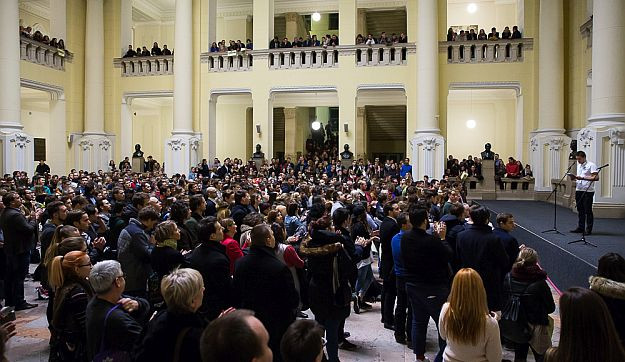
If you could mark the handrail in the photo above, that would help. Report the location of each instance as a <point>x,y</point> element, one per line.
<point>145,66</point>
<point>43,54</point>
<point>486,51</point>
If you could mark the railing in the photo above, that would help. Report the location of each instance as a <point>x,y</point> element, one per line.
<point>231,61</point>
<point>145,66</point>
<point>309,58</point>
<point>43,54</point>
<point>486,51</point>
<point>381,55</point>
<point>298,58</point>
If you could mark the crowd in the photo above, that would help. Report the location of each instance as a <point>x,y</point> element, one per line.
<point>231,46</point>
<point>40,37</point>
<point>300,42</point>
<point>145,52</point>
<point>493,35</point>
<point>382,39</point>
<point>224,264</point>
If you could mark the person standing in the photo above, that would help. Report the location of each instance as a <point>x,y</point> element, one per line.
<point>587,174</point>
<point>19,232</point>
<point>403,320</point>
<point>388,229</point>
<point>505,224</point>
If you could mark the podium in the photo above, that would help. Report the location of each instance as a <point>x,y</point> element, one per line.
<point>488,184</point>
<point>138,164</point>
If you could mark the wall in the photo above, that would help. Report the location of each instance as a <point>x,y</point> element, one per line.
<point>233,28</point>
<point>151,127</point>
<point>231,130</point>
<point>495,124</point>
<point>36,22</point>
<point>488,14</point>
<point>150,32</point>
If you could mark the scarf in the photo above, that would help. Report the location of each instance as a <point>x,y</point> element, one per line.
<point>172,243</point>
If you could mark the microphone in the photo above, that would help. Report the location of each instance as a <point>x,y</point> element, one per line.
<point>606,165</point>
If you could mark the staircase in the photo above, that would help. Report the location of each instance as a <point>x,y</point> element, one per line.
<point>278,132</point>
<point>279,27</point>
<point>386,123</point>
<point>390,21</point>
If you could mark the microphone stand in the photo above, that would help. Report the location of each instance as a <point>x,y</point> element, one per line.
<point>554,193</point>
<point>583,238</point>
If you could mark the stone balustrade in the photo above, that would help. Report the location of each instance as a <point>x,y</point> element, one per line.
<point>145,66</point>
<point>382,55</point>
<point>43,54</point>
<point>299,58</point>
<point>231,61</point>
<point>486,51</point>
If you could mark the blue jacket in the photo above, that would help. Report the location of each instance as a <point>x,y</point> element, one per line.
<point>404,170</point>
<point>396,250</point>
<point>509,243</point>
<point>134,250</point>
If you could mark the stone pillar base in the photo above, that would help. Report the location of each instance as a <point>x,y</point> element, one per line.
<point>548,154</point>
<point>17,152</point>
<point>605,144</point>
<point>94,151</point>
<point>182,151</point>
<point>428,155</point>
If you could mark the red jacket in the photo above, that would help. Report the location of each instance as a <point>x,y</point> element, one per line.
<point>512,169</point>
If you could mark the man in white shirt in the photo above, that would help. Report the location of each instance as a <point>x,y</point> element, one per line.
<point>587,174</point>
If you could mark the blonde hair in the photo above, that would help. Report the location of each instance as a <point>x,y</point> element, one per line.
<point>65,264</point>
<point>527,256</point>
<point>60,233</point>
<point>180,287</point>
<point>465,319</point>
<point>164,231</point>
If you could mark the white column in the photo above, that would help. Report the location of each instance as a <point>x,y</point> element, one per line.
<point>126,128</point>
<point>179,148</point>
<point>550,133</point>
<point>212,25</point>
<point>603,139</point>
<point>17,147</point>
<point>58,19</point>
<point>263,118</point>
<point>263,23</point>
<point>212,128</point>
<point>428,146</point>
<point>290,132</point>
<point>57,143</point>
<point>126,26</point>
<point>95,148</point>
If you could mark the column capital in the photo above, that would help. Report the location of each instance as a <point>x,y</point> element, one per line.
<point>289,112</point>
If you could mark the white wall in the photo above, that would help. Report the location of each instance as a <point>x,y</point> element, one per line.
<point>232,130</point>
<point>150,32</point>
<point>489,13</point>
<point>232,28</point>
<point>495,124</point>
<point>151,127</point>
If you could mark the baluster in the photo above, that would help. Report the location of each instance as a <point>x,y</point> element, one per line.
<point>32,53</point>
<point>317,59</point>
<point>513,52</point>
<point>490,53</point>
<point>386,56</point>
<point>40,55</point>
<point>298,59</point>
<point>235,63</point>
<point>478,53</point>
<point>330,59</point>
<point>23,51</point>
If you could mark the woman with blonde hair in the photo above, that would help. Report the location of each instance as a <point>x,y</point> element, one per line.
<point>68,277</point>
<point>471,332</point>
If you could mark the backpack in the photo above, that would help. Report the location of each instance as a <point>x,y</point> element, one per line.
<point>513,324</point>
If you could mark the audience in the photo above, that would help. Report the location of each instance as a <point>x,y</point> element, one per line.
<point>38,36</point>
<point>471,35</point>
<point>145,52</point>
<point>302,342</point>
<point>609,283</point>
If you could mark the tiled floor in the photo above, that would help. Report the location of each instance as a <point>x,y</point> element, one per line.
<point>375,343</point>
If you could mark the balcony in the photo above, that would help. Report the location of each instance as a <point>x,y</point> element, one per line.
<point>486,51</point>
<point>42,54</point>
<point>145,66</point>
<point>309,58</point>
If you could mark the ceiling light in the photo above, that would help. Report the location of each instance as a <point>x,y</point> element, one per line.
<point>316,125</point>
<point>316,16</point>
<point>471,123</point>
<point>472,8</point>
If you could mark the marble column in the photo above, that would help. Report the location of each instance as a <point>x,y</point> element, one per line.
<point>361,132</point>
<point>58,19</point>
<point>95,148</point>
<point>549,144</point>
<point>428,146</point>
<point>181,149</point>
<point>603,138</point>
<point>290,133</point>
<point>17,146</point>
<point>263,23</point>
<point>262,123</point>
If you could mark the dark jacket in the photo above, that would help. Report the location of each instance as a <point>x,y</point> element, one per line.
<point>130,212</point>
<point>186,242</point>
<point>237,214</point>
<point>161,336</point>
<point>388,229</point>
<point>211,261</point>
<point>425,258</point>
<point>45,238</point>
<point>613,294</point>
<point>211,208</point>
<point>510,245</point>
<point>165,259</point>
<point>537,300</point>
<point>123,330</point>
<point>480,249</point>
<point>68,322</point>
<point>193,224</point>
<point>265,285</point>
<point>116,225</point>
<point>134,256</point>
<point>18,232</point>
<point>454,226</point>
<point>326,300</point>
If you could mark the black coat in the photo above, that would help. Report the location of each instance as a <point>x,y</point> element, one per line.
<point>613,294</point>
<point>454,227</point>
<point>388,229</point>
<point>211,261</point>
<point>537,301</point>
<point>425,258</point>
<point>159,342</point>
<point>510,245</point>
<point>265,285</point>
<point>165,259</point>
<point>480,249</point>
<point>237,214</point>
<point>325,302</point>
<point>19,233</point>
